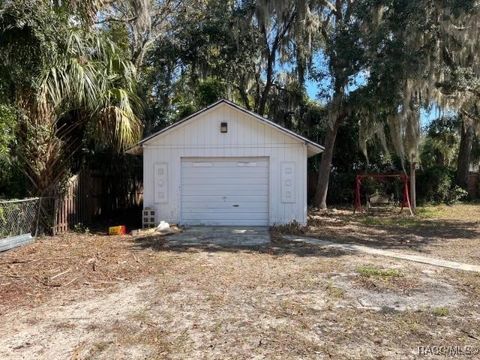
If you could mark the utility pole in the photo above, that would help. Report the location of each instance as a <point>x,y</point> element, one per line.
<point>413,192</point>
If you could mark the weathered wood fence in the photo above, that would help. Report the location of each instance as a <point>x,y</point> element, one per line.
<point>72,207</point>
<point>89,196</point>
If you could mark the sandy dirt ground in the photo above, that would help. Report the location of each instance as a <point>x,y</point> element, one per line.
<point>98,297</point>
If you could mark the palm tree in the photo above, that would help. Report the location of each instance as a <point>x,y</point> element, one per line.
<point>64,78</point>
<point>91,76</point>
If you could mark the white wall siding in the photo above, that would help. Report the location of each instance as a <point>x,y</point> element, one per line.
<point>246,137</point>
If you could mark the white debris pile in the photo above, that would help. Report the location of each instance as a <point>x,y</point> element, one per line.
<point>164,228</point>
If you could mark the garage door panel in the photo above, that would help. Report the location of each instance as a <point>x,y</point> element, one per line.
<point>197,208</point>
<point>213,191</point>
<point>225,216</point>
<point>225,191</point>
<point>218,204</point>
<point>212,195</point>
<point>243,176</point>
<point>246,186</point>
<point>207,172</point>
<point>225,181</point>
<point>225,162</point>
<point>237,222</point>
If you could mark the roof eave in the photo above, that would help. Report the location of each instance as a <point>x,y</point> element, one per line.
<point>135,150</point>
<point>313,150</point>
<point>181,121</point>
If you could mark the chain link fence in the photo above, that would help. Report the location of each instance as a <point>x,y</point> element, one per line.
<point>18,217</point>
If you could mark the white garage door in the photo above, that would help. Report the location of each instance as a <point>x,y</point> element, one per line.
<point>224,191</point>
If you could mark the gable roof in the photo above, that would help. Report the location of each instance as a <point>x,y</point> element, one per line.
<point>313,147</point>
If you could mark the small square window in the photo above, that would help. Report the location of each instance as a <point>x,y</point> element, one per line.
<point>223,127</point>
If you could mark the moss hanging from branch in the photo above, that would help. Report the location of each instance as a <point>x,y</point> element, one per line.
<point>437,63</point>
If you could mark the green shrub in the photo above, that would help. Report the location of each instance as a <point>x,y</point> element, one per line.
<point>455,195</point>
<point>81,228</point>
<point>12,179</point>
<point>436,184</point>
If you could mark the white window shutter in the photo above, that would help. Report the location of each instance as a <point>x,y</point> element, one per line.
<point>161,182</point>
<point>288,182</point>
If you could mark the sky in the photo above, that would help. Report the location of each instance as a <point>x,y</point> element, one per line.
<point>426,115</point>
<point>314,88</point>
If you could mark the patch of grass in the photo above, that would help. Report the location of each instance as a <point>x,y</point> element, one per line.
<point>430,212</point>
<point>372,271</point>
<point>152,338</point>
<point>96,349</point>
<point>422,216</point>
<point>461,212</point>
<point>140,315</point>
<point>64,325</point>
<point>334,291</point>
<point>411,322</point>
<point>440,311</point>
<point>406,221</point>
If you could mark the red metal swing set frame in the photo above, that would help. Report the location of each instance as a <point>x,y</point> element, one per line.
<point>382,177</point>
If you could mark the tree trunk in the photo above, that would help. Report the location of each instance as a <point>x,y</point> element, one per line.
<point>413,188</point>
<point>268,85</point>
<point>464,152</point>
<point>326,164</point>
<point>244,95</point>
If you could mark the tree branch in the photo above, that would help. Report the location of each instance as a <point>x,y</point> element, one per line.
<point>330,6</point>
<point>271,53</point>
<point>111,19</point>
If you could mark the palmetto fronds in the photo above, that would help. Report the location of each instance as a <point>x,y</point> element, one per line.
<point>66,81</point>
<point>93,77</point>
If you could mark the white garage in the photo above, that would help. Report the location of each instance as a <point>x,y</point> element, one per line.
<point>225,165</point>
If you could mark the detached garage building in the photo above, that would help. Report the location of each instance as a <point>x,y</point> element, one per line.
<point>225,165</point>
